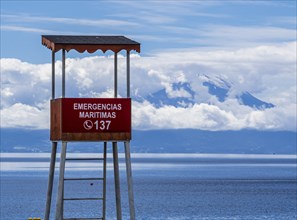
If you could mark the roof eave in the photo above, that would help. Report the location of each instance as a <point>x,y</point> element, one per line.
<point>91,48</point>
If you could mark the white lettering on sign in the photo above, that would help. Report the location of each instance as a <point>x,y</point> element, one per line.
<point>102,125</point>
<point>97,115</point>
<point>99,125</point>
<point>97,106</point>
<point>98,110</point>
<point>88,125</point>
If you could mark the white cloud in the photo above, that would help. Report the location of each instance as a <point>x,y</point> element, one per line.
<point>247,68</point>
<point>70,21</point>
<point>26,116</point>
<point>267,71</point>
<point>25,29</point>
<point>211,117</point>
<point>202,116</point>
<point>247,34</point>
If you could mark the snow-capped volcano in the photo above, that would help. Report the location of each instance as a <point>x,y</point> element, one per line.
<point>203,90</point>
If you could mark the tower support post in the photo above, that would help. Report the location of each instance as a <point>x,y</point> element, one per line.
<point>59,207</point>
<point>117,180</point>
<point>50,181</point>
<point>129,180</point>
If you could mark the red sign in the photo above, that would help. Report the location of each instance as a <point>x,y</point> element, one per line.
<point>88,115</point>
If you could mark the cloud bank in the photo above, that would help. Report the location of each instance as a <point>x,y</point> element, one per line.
<point>267,71</point>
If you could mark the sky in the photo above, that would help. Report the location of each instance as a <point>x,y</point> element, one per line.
<point>249,44</point>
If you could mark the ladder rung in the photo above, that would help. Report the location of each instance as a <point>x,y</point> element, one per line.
<point>81,218</point>
<point>83,198</point>
<point>84,158</point>
<point>83,178</point>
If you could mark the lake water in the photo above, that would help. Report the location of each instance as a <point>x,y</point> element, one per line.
<point>166,186</point>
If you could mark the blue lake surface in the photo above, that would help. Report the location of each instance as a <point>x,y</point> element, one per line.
<point>171,186</point>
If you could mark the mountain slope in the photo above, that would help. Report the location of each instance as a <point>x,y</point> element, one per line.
<point>182,94</point>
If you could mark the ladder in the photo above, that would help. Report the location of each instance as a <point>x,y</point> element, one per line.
<point>63,199</point>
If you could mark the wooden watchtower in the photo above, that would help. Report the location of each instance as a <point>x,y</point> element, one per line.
<point>90,119</point>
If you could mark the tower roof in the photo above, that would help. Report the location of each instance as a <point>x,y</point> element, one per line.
<point>89,43</point>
